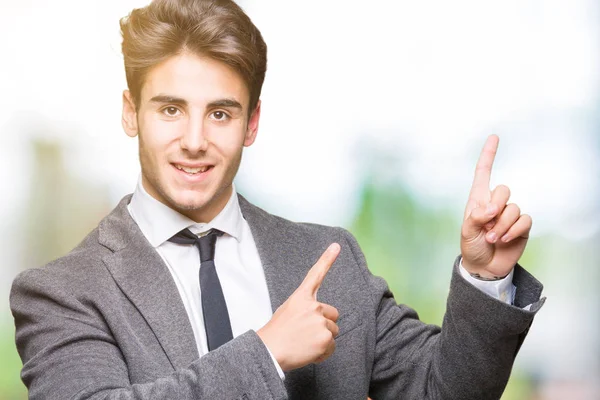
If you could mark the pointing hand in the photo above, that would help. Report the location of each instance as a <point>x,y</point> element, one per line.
<point>494,233</point>
<point>302,330</point>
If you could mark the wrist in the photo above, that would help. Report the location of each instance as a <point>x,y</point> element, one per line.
<point>272,349</point>
<point>486,277</point>
<point>480,273</point>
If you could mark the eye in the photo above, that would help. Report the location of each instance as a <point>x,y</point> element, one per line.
<point>171,111</point>
<point>220,115</point>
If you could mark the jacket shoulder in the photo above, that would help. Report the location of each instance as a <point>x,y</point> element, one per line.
<point>79,268</point>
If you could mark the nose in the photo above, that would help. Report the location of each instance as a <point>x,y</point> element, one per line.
<point>194,138</point>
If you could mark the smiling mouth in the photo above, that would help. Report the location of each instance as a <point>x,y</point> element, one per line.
<point>193,171</point>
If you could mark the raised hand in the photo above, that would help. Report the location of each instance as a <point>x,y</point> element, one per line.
<point>302,330</point>
<point>494,233</point>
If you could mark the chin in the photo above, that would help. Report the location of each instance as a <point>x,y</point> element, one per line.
<point>190,202</point>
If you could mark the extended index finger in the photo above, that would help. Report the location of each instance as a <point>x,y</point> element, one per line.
<point>483,171</point>
<point>317,273</point>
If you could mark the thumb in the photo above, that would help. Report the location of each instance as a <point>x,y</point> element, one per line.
<point>311,283</point>
<point>477,219</point>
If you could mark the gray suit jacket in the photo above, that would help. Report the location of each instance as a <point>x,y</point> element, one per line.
<point>106,322</point>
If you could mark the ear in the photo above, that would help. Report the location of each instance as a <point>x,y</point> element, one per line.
<point>252,128</point>
<point>129,117</point>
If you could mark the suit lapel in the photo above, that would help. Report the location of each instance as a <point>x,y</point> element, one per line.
<point>284,266</point>
<point>143,276</point>
<point>272,246</point>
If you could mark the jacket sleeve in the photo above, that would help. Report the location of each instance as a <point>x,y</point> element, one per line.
<point>68,352</point>
<point>469,357</point>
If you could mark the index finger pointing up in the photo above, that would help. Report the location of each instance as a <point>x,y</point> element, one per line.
<point>483,171</point>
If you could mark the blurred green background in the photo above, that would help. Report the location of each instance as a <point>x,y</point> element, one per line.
<point>373,118</point>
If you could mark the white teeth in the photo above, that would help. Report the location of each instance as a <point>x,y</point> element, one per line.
<point>191,170</point>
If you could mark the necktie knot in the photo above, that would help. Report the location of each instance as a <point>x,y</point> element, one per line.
<point>206,243</point>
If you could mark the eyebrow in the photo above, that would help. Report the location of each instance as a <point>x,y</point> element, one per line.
<point>228,103</point>
<point>165,99</point>
<point>168,99</point>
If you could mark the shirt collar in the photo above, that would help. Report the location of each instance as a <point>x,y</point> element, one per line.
<point>158,222</point>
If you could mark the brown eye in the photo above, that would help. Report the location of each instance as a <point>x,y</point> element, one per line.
<point>171,111</point>
<point>219,115</point>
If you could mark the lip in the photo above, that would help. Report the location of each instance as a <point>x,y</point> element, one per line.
<point>192,165</point>
<point>192,178</point>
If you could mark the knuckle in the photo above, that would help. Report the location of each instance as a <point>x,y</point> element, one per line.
<point>513,208</point>
<point>325,330</point>
<point>328,337</point>
<point>503,189</point>
<point>479,214</point>
<point>475,214</point>
<point>490,225</point>
<point>324,341</point>
<point>332,348</point>
<point>336,314</point>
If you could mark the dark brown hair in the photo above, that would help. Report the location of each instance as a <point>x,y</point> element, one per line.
<point>218,29</point>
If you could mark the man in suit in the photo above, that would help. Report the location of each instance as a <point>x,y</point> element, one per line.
<point>187,291</point>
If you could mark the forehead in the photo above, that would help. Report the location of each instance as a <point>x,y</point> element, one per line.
<point>199,80</point>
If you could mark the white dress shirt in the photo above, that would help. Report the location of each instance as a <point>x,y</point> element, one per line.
<point>237,262</point>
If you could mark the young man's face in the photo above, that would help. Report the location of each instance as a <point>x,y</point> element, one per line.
<point>192,124</point>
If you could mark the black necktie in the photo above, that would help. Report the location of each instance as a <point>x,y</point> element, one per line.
<point>214,308</point>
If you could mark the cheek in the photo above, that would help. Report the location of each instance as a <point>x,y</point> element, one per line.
<point>147,154</point>
<point>158,138</point>
<point>230,141</point>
